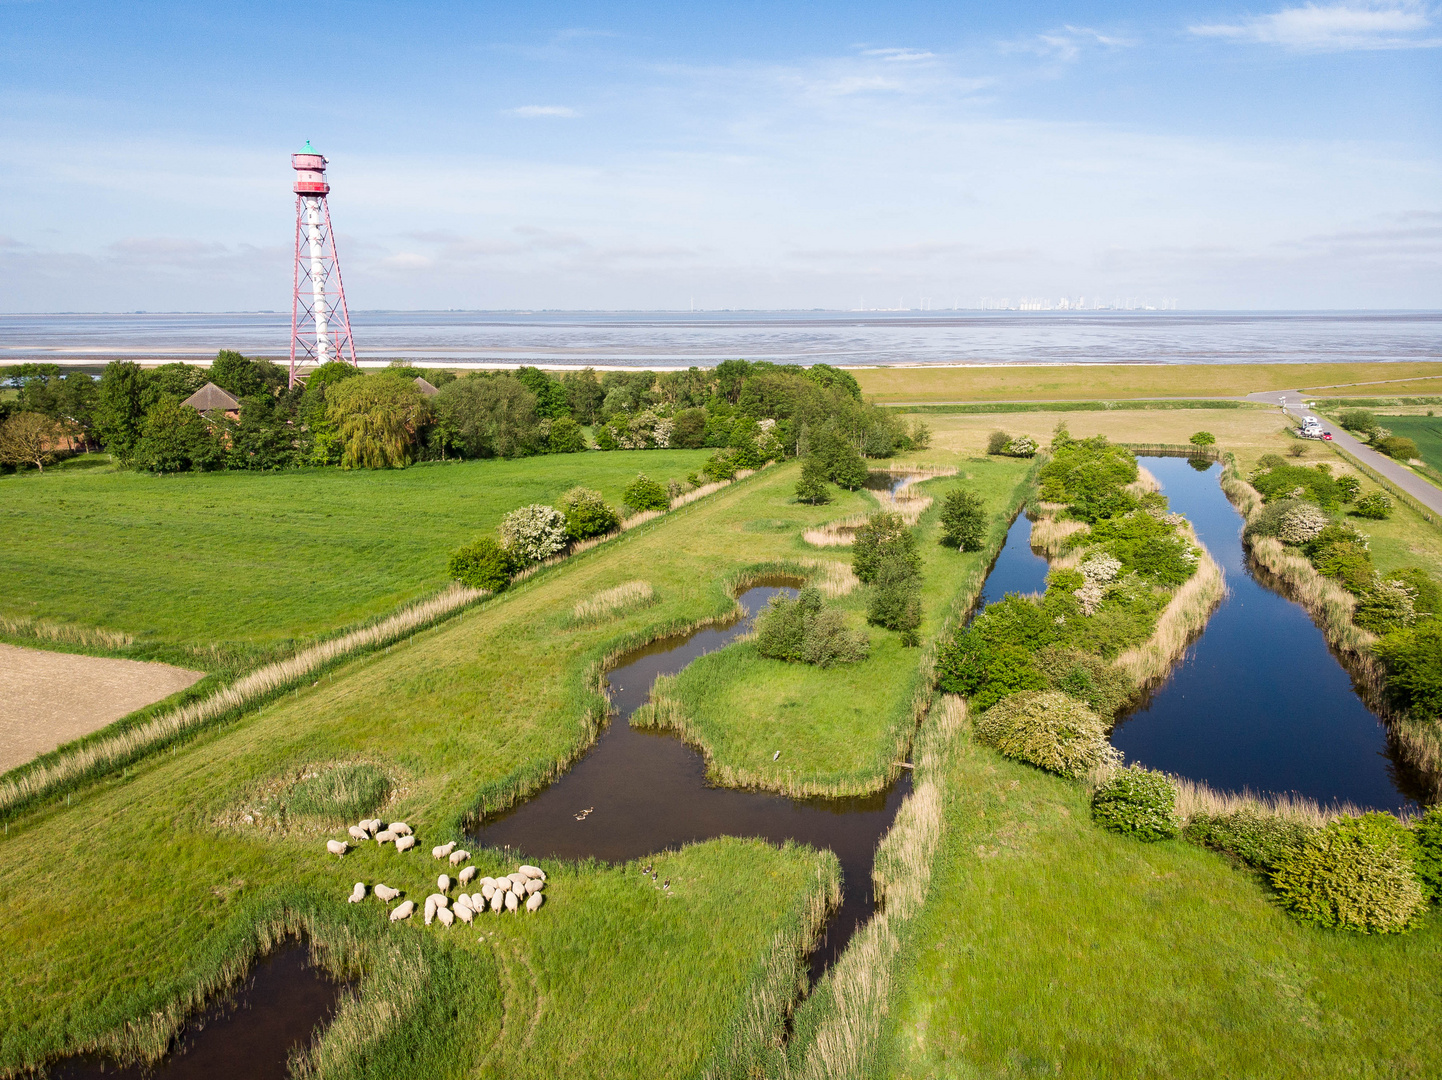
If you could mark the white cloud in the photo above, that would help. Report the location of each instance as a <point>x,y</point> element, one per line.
<point>543,110</point>
<point>1334,28</point>
<point>903,56</point>
<point>1068,43</point>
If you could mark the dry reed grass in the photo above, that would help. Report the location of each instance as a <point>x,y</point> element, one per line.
<point>1328,603</point>
<point>1195,798</point>
<point>1052,536</point>
<point>110,753</point>
<point>93,637</point>
<point>624,597</point>
<point>832,578</point>
<point>838,533</point>
<point>1184,617</point>
<point>1144,484</point>
<point>908,504</point>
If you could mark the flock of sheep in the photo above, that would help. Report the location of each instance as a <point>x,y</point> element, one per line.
<point>509,893</point>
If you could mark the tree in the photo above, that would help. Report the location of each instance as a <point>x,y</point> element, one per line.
<point>997,442</point>
<point>963,520</point>
<point>811,488</point>
<point>491,415</point>
<point>1203,438</point>
<point>263,437</point>
<point>562,436</point>
<point>882,535</point>
<point>244,377</point>
<point>1395,446</point>
<point>690,430</point>
<point>552,401</point>
<point>534,532</point>
<point>834,379</point>
<point>895,601</point>
<point>583,394</point>
<point>120,407</point>
<point>843,464</point>
<point>587,514</point>
<point>730,375</point>
<point>175,438</point>
<point>377,417</point>
<point>29,438</point>
<point>645,494</point>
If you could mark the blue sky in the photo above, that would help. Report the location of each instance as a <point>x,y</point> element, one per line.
<point>754,155</point>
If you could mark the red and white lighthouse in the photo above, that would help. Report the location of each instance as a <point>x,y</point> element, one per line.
<point>317,336</point>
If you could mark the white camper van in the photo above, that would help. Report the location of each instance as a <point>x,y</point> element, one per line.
<point>1311,428</point>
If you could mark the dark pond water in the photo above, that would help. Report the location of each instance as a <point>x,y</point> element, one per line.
<point>647,792</point>
<point>1017,569</point>
<point>248,1035</point>
<point>1259,701</point>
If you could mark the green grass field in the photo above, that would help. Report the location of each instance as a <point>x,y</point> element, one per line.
<point>260,558</point>
<point>1050,947</point>
<point>1425,431</point>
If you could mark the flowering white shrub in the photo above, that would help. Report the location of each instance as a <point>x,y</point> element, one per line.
<point>1099,568</point>
<point>1021,446</point>
<point>1300,524</point>
<point>1091,596</point>
<point>534,532</point>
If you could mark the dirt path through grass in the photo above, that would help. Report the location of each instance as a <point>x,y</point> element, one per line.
<point>50,698</point>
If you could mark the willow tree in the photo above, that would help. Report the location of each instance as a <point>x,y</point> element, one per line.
<point>377,417</point>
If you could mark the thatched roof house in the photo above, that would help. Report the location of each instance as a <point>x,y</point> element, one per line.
<point>210,397</point>
<point>425,387</point>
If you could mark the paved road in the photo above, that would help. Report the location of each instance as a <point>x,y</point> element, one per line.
<point>1292,401</point>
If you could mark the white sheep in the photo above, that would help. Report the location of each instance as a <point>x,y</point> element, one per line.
<point>478,903</point>
<point>441,900</point>
<point>386,893</point>
<point>405,843</point>
<point>468,874</point>
<point>496,902</point>
<point>357,833</point>
<point>441,851</point>
<point>533,886</point>
<point>371,825</point>
<point>462,901</point>
<point>430,909</point>
<point>488,888</point>
<point>400,828</point>
<point>446,916</point>
<point>532,872</point>
<point>512,902</point>
<point>358,893</point>
<point>458,857</point>
<point>464,913</point>
<point>337,847</point>
<point>487,881</point>
<point>403,911</point>
<point>517,879</point>
<point>535,902</point>
<point>385,836</point>
<point>444,883</point>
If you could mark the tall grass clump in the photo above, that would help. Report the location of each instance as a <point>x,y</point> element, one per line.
<point>341,793</point>
<point>98,757</point>
<point>608,603</point>
<point>95,637</point>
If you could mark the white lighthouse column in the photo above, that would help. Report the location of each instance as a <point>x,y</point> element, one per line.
<point>317,279</point>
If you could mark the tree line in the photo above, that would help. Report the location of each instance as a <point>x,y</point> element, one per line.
<point>745,411</point>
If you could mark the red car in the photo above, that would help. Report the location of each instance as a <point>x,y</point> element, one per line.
<point>1327,435</point>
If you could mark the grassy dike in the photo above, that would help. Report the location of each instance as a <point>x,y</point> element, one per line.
<point>143,893</point>
<point>1048,946</point>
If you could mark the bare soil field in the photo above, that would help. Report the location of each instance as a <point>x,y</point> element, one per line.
<point>49,698</point>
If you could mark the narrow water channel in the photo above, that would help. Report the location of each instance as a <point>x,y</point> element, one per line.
<point>1259,702</point>
<point>247,1035</point>
<point>647,792</point>
<point>1017,569</point>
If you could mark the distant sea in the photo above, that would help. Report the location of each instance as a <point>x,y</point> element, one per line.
<point>679,339</point>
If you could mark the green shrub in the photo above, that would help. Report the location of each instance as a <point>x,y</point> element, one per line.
<point>804,631</point>
<point>1048,729</point>
<point>646,494</point>
<point>1342,553</point>
<point>1086,677</point>
<point>721,465</point>
<point>1387,605</point>
<point>562,436</point>
<point>1084,469</point>
<point>963,520</point>
<point>1413,659</point>
<point>1350,485</point>
<point>1377,505</point>
<point>1203,438</point>
<point>1357,419</point>
<point>882,534</point>
<point>1282,481</point>
<point>811,488</point>
<point>895,600</point>
<point>483,564</point>
<point>344,793</point>
<point>1427,862</point>
<point>1137,802</point>
<point>1353,874</point>
<point>587,514</point>
<point>1258,839</point>
<point>997,442</point>
<point>1395,446</point>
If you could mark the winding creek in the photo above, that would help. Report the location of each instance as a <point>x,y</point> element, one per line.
<point>1257,702</point>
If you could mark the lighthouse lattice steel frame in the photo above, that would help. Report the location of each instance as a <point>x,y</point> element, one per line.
<point>314,336</point>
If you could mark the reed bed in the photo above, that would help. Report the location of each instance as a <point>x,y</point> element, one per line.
<point>1144,484</point>
<point>838,533</point>
<point>107,754</point>
<point>1194,798</point>
<point>627,596</point>
<point>93,637</point>
<point>834,579</point>
<point>1184,617</point>
<point>1053,536</point>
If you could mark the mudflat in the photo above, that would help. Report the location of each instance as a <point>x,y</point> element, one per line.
<point>50,698</point>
